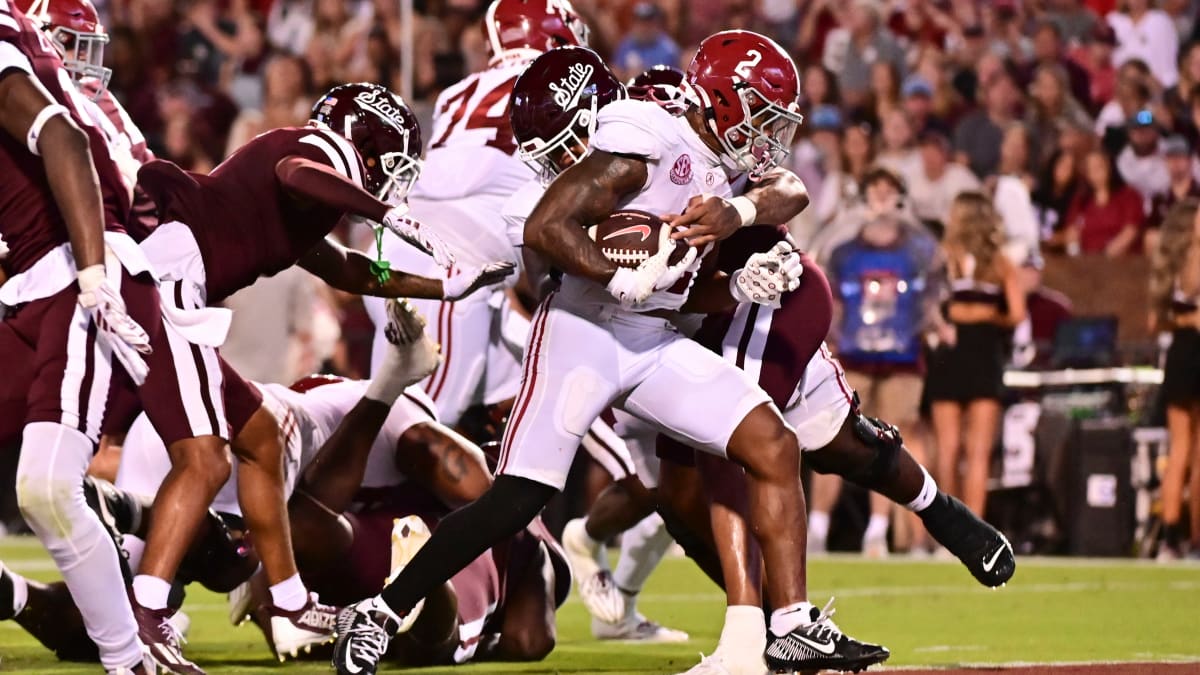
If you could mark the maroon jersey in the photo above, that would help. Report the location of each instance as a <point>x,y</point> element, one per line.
<point>746,242</point>
<point>30,221</point>
<point>244,222</point>
<point>127,145</point>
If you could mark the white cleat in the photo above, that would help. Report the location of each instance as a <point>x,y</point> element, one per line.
<point>637,628</point>
<point>241,602</point>
<point>409,535</point>
<point>597,590</point>
<point>414,355</point>
<point>299,631</point>
<point>722,662</point>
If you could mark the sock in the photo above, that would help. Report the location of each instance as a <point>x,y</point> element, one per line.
<point>787,619</point>
<point>925,497</point>
<point>877,527</point>
<point>507,507</point>
<point>20,592</point>
<point>818,525</point>
<point>744,628</point>
<point>151,592</point>
<point>642,548</point>
<point>289,594</point>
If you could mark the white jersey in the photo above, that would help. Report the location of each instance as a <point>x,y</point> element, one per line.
<point>471,167</point>
<point>679,166</point>
<point>306,420</point>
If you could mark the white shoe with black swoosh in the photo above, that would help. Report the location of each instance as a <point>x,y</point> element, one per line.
<point>820,645</point>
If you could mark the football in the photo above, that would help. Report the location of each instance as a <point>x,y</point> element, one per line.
<point>629,237</point>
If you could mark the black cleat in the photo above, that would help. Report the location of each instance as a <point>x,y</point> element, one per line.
<point>982,548</point>
<point>7,611</point>
<point>820,645</point>
<point>362,639</point>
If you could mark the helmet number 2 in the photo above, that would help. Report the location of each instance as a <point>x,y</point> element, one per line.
<point>753,56</point>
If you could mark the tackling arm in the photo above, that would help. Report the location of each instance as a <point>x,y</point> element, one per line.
<point>31,116</point>
<point>351,271</point>
<point>777,198</point>
<point>313,181</point>
<point>583,195</point>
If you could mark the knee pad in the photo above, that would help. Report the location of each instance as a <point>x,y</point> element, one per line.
<point>885,440</point>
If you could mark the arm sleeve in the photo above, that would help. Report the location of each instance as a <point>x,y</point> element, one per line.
<point>324,184</point>
<point>624,128</point>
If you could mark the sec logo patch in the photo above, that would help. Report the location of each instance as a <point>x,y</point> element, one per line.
<point>681,173</point>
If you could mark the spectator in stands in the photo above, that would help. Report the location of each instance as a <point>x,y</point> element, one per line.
<point>818,87</point>
<point>978,136</point>
<point>1075,22</point>
<point>1096,57</point>
<point>287,100</point>
<point>813,159</point>
<point>1107,216</point>
<point>338,47</point>
<point>1047,309</point>
<point>213,42</point>
<point>1182,177</point>
<point>916,100</point>
<point>898,150</point>
<point>1060,183</point>
<point>1146,33</point>
<point>1052,108</point>
<point>1142,164</point>
<point>1175,294</point>
<point>1050,52</point>
<point>1132,94</point>
<point>1176,99</point>
<point>920,24</point>
<point>966,370</point>
<point>883,97</point>
<point>886,288</point>
<point>1015,157</point>
<point>946,104</point>
<point>840,188</point>
<point>647,44</point>
<point>933,187</point>
<point>1183,15</point>
<point>1006,31</point>
<point>851,50</point>
<point>290,26</point>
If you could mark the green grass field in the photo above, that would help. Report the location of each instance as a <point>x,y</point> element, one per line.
<point>927,613</point>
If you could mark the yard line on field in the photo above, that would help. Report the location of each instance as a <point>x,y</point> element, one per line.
<point>994,666</point>
<point>1028,560</point>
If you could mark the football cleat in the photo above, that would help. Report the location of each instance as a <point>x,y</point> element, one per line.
<point>143,667</point>
<point>363,635</point>
<point>161,640</point>
<point>636,628</point>
<point>820,645</point>
<point>724,662</point>
<point>7,592</point>
<point>409,534</point>
<point>597,589</point>
<point>982,548</point>
<point>293,632</point>
<point>405,332</point>
<point>241,604</point>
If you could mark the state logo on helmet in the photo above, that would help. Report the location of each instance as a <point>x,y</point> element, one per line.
<point>75,31</point>
<point>522,29</point>
<point>380,125</point>
<point>665,85</point>
<point>748,89</point>
<point>554,107</point>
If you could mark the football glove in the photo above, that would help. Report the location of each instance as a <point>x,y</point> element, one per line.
<point>421,236</point>
<point>632,287</point>
<point>127,340</point>
<point>767,276</point>
<point>472,279</point>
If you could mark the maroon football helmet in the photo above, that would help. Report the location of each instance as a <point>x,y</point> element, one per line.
<point>664,85</point>
<point>554,106</point>
<point>749,89</point>
<point>75,31</point>
<point>522,29</point>
<point>384,131</point>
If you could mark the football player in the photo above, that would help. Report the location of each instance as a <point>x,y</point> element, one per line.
<point>81,312</point>
<point>373,471</point>
<point>470,169</point>
<point>268,206</point>
<point>643,158</point>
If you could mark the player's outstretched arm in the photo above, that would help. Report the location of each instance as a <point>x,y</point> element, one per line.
<point>350,271</point>
<point>32,117</point>
<point>583,195</point>
<point>312,181</point>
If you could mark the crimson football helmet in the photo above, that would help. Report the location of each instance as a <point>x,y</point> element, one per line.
<point>748,89</point>
<point>76,32</point>
<point>665,85</point>
<point>554,106</point>
<point>309,382</point>
<point>384,131</point>
<point>522,29</point>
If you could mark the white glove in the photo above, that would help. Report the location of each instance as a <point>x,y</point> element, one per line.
<point>767,276</point>
<point>631,287</point>
<point>421,236</point>
<point>3,249</point>
<point>127,340</point>
<point>472,279</point>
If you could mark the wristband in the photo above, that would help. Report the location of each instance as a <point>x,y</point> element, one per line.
<point>90,278</point>
<point>746,210</point>
<point>35,129</point>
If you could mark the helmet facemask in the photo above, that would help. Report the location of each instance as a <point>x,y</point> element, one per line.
<point>83,56</point>
<point>764,136</point>
<point>543,156</point>
<point>400,172</point>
